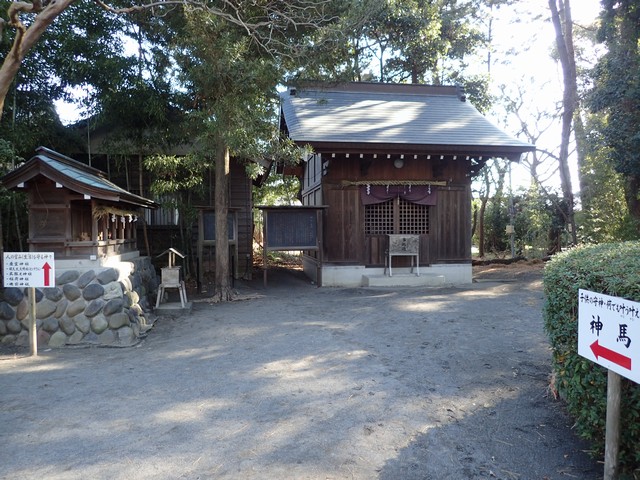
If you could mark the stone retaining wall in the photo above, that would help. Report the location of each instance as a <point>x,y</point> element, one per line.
<point>104,306</point>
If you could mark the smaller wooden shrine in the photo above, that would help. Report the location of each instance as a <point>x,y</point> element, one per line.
<point>74,210</point>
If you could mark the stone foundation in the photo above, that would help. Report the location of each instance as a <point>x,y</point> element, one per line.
<point>103,306</point>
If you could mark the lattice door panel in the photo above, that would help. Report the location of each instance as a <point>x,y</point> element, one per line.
<point>378,218</point>
<point>413,218</point>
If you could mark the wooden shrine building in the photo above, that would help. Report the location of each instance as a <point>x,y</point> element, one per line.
<point>389,160</point>
<point>75,211</point>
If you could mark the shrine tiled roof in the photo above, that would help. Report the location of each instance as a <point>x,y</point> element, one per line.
<point>375,114</point>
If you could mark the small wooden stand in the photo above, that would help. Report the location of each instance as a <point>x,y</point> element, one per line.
<point>171,278</point>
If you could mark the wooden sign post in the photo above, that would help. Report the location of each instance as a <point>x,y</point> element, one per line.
<point>29,269</point>
<point>33,333</point>
<point>607,328</point>
<point>612,432</point>
<point>290,228</point>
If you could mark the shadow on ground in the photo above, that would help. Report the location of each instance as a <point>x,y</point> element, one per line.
<point>297,382</point>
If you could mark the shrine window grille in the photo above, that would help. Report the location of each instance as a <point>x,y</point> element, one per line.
<point>396,216</point>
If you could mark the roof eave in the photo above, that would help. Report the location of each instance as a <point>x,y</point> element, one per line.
<point>512,152</point>
<point>32,169</point>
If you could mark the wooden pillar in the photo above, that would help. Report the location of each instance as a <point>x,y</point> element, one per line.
<point>264,247</point>
<point>95,228</point>
<point>612,438</point>
<point>33,333</point>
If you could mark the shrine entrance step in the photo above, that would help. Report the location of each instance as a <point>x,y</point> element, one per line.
<point>173,308</point>
<point>403,280</point>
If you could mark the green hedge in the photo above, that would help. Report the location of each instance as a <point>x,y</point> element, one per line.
<point>611,269</point>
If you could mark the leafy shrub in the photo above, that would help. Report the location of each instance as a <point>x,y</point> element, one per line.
<point>611,269</point>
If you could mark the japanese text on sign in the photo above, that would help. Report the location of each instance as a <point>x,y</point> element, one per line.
<point>28,269</point>
<point>609,332</point>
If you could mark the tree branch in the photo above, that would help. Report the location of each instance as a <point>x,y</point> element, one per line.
<point>13,12</point>
<point>275,16</point>
<point>547,153</point>
<point>266,23</point>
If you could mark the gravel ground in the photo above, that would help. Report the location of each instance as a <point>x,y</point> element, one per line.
<point>296,382</point>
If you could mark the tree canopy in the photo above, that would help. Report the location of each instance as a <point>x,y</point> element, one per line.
<point>269,24</point>
<point>172,70</point>
<point>617,93</point>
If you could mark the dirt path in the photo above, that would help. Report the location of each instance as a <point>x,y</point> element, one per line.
<point>304,383</point>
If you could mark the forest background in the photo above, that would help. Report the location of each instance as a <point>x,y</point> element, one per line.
<point>206,72</point>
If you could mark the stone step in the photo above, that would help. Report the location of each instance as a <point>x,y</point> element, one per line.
<point>403,280</point>
<point>173,309</point>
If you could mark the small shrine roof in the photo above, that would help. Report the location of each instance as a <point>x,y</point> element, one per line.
<point>74,175</point>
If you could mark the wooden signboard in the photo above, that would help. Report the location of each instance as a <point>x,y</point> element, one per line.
<point>29,269</point>
<point>608,328</point>
<point>209,226</point>
<point>292,228</point>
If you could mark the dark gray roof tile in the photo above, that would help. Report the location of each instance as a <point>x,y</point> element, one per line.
<point>411,115</point>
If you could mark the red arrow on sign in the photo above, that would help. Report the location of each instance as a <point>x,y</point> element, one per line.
<point>615,357</point>
<point>47,268</point>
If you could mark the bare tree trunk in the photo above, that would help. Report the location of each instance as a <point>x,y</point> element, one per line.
<point>474,220</point>
<point>581,140</point>
<point>414,73</point>
<point>125,160</point>
<point>632,197</point>
<point>484,199</point>
<point>17,220</point>
<point>564,40</point>
<point>188,234</point>
<point>382,49</point>
<point>222,169</point>
<point>483,208</point>
<point>144,223</point>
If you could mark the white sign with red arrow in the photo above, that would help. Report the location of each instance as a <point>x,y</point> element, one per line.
<point>609,332</point>
<point>29,269</point>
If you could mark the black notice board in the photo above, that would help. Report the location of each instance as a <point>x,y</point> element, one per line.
<point>295,229</point>
<point>209,226</point>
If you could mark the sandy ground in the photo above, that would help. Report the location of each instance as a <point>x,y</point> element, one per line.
<point>296,382</point>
